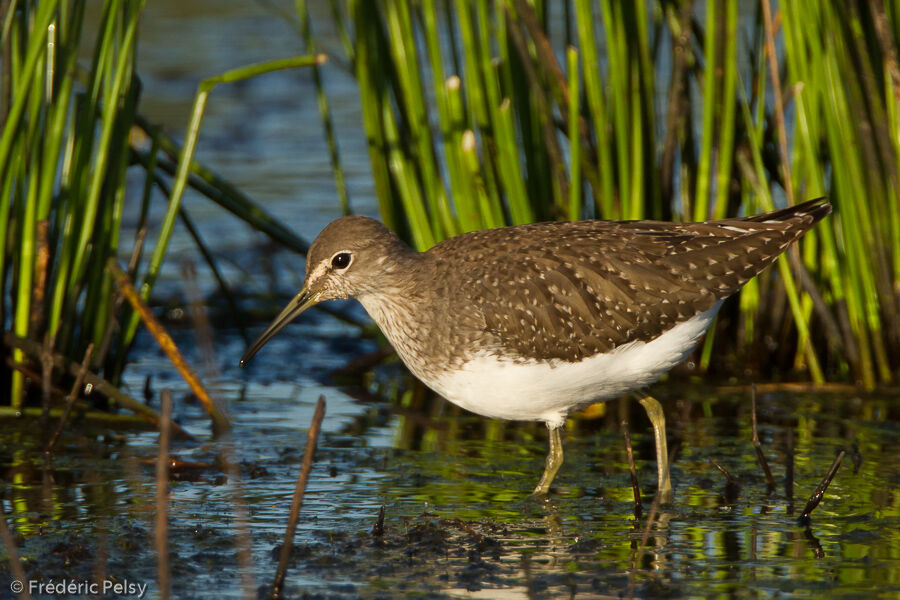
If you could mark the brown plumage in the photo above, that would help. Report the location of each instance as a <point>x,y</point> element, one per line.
<point>530,322</point>
<point>569,290</point>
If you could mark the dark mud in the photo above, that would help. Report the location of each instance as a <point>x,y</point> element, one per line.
<point>457,518</point>
<point>457,522</point>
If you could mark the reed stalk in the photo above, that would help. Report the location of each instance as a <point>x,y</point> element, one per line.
<point>805,109</point>
<point>185,165</point>
<point>65,148</point>
<point>63,155</point>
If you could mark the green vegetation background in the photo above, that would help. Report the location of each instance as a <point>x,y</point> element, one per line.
<point>481,113</point>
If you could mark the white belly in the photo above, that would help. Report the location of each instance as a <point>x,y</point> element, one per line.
<point>548,390</point>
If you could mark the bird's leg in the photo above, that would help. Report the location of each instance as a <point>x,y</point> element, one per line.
<point>658,419</point>
<point>554,462</point>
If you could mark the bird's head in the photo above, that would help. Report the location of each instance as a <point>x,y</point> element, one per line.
<point>351,257</point>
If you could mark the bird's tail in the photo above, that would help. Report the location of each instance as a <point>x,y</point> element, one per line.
<point>811,210</point>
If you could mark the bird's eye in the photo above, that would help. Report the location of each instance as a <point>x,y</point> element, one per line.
<point>341,260</point>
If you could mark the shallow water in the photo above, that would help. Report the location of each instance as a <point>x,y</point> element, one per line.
<point>455,489</point>
<point>454,486</point>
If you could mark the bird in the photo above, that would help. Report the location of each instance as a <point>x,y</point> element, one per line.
<point>532,322</point>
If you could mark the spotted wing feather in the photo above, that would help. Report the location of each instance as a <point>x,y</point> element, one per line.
<point>571,290</point>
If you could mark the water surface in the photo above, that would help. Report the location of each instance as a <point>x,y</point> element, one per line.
<point>454,487</point>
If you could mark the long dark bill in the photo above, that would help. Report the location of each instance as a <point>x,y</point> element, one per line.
<point>301,302</point>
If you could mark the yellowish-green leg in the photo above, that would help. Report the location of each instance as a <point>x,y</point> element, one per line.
<point>554,462</point>
<point>658,419</point>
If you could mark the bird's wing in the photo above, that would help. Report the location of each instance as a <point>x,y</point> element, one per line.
<point>571,290</point>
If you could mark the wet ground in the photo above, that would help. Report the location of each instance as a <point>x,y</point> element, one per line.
<point>458,521</point>
<point>454,487</point>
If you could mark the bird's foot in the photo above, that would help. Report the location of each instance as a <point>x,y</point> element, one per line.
<point>537,502</point>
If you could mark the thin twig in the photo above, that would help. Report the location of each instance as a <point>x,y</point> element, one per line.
<point>102,554</point>
<point>823,485</point>
<point>856,457</point>
<point>161,536</point>
<point>221,192</point>
<point>73,395</point>
<point>721,469</point>
<point>779,102</point>
<point>732,485</point>
<point>297,502</point>
<point>546,58</point>
<point>146,160</point>
<point>842,345</point>
<point>770,482</point>
<point>167,344</point>
<point>530,591</point>
<point>635,486</point>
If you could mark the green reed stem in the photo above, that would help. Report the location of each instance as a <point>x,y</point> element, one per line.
<point>506,106</point>
<point>334,156</point>
<point>727,112</point>
<point>224,193</point>
<point>185,159</point>
<point>701,199</point>
<point>596,103</point>
<point>575,201</point>
<point>403,46</point>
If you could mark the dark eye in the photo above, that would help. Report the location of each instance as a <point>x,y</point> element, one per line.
<point>341,260</point>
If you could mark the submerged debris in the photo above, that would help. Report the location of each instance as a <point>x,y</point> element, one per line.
<point>378,529</point>
<point>732,485</point>
<point>820,489</point>
<point>760,455</point>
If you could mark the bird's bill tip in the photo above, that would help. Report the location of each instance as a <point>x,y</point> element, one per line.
<point>300,303</point>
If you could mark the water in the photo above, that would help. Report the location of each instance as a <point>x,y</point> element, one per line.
<point>458,522</point>
<point>454,487</point>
